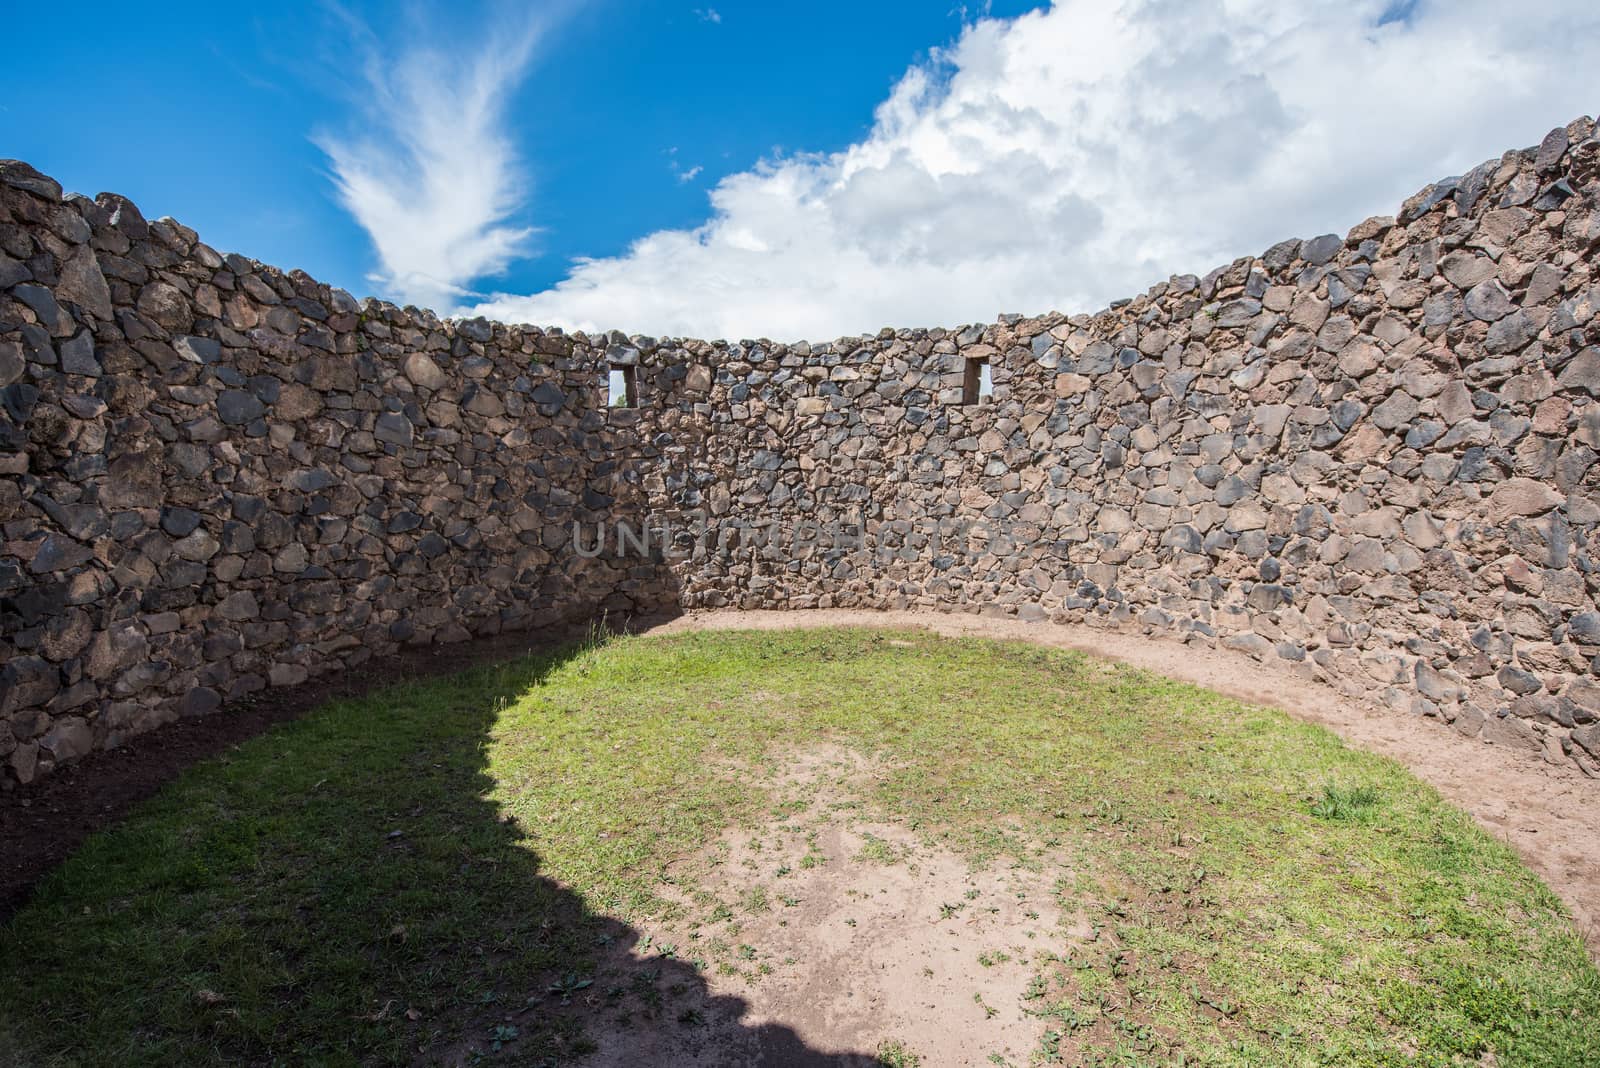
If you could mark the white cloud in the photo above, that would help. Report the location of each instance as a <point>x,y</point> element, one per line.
<point>709,14</point>
<point>1078,154</point>
<point>429,171</point>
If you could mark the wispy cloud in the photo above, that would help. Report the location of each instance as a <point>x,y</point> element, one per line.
<point>427,167</point>
<point>708,14</point>
<point>679,171</point>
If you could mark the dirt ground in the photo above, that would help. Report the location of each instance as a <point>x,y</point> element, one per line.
<point>878,938</point>
<point>1550,815</point>
<point>852,936</point>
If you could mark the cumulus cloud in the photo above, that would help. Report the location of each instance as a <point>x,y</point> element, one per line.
<point>429,171</point>
<point>1083,152</point>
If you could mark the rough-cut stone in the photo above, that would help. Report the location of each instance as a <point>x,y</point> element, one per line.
<point>27,682</point>
<point>67,739</point>
<point>1366,458</point>
<point>1320,250</point>
<point>394,428</point>
<point>1522,497</point>
<point>422,371</point>
<point>82,283</point>
<point>1585,628</point>
<point>237,406</point>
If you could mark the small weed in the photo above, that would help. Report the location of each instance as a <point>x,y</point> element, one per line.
<point>877,851</point>
<point>568,986</point>
<point>892,1053</point>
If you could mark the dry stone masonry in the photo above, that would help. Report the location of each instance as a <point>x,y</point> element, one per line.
<point>1369,459</point>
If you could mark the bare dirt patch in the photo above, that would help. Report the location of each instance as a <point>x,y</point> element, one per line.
<point>850,933</point>
<point>1549,814</point>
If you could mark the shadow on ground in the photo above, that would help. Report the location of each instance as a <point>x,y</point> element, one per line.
<point>344,889</point>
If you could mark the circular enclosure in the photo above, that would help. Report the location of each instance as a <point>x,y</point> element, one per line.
<point>805,847</point>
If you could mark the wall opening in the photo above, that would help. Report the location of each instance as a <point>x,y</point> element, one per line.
<point>623,386</point>
<point>977,386</point>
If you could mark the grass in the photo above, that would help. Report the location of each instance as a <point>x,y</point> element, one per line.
<point>1345,803</point>
<point>429,873</point>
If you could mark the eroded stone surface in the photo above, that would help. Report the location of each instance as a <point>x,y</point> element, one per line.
<point>1369,459</point>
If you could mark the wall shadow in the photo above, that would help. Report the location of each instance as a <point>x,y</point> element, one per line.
<point>458,948</point>
<point>590,989</point>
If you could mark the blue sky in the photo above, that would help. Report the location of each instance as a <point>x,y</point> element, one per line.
<point>209,117</point>
<point>780,169</point>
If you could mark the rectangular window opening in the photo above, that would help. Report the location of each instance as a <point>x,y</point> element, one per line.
<point>977,386</point>
<point>624,390</point>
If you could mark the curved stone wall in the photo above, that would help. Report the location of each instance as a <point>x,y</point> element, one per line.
<point>1369,458</point>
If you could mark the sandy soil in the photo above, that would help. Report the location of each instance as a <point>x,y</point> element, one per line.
<point>1549,814</point>
<point>841,935</point>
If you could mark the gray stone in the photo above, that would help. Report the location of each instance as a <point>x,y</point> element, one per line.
<point>1489,301</point>
<point>67,739</point>
<point>78,357</point>
<point>1585,628</point>
<point>1551,149</point>
<point>1398,410</point>
<point>1511,334</point>
<point>1268,597</point>
<point>1254,644</point>
<point>1581,372</point>
<point>1518,681</point>
<point>12,363</point>
<point>236,407</point>
<point>239,606</point>
<point>58,553</point>
<point>423,372</point>
<point>202,350</point>
<point>1231,490</point>
<point>310,481</point>
<point>1321,250</point>
<point>179,522</point>
<point>547,394</point>
<point>166,305</point>
<point>19,175</point>
<point>393,428</point>
<point>27,682</point>
<point>200,701</point>
<point>43,303</point>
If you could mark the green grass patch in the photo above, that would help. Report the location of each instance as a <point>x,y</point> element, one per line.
<point>438,867</point>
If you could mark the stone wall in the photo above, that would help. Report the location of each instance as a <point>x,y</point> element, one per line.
<point>216,477</point>
<point>1368,459</point>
